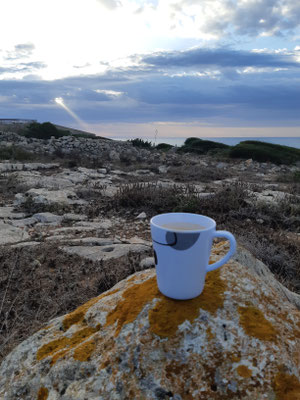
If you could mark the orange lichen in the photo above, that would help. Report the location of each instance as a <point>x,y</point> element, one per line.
<point>47,327</point>
<point>209,333</point>
<point>244,371</point>
<point>59,355</point>
<point>133,278</point>
<point>235,359</point>
<point>255,324</point>
<point>78,315</point>
<point>174,368</point>
<point>59,347</point>
<point>286,387</point>
<point>134,299</point>
<point>84,351</point>
<point>43,394</point>
<point>297,330</point>
<point>168,314</point>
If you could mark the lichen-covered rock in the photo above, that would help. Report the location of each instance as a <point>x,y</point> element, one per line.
<point>240,339</point>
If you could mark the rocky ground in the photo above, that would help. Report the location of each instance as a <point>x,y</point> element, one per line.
<point>66,219</point>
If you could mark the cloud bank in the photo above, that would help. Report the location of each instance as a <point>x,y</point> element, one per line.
<point>151,91</point>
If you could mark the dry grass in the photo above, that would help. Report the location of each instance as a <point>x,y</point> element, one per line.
<point>61,283</point>
<point>197,173</point>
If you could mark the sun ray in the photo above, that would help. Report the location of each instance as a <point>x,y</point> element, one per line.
<point>60,102</point>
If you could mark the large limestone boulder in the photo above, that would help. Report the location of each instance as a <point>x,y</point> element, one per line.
<point>240,339</point>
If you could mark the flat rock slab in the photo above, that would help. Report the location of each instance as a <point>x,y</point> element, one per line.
<point>36,179</point>
<point>74,217</point>
<point>105,252</point>
<point>8,167</point>
<point>24,222</point>
<point>9,213</point>
<point>94,241</point>
<point>270,196</point>
<point>11,234</point>
<point>103,224</point>
<point>45,196</point>
<point>48,218</point>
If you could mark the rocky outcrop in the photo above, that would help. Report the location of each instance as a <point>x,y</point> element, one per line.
<point>239,339</point>
<point>96,149</point>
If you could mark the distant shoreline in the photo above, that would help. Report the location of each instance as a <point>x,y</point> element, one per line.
<point>178,141</point>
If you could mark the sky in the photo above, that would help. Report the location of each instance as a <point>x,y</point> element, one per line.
<point>145,68</point>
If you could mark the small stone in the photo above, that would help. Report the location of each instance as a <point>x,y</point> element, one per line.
<point>163,169</point>
<point>48,218</point>
<point>221,165</point>
<point>147,262</point>
<point>142,215</point>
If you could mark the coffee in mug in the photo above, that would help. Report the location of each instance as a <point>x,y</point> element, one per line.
<point>182,226</point>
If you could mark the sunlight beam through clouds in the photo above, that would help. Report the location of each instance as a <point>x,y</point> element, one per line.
<point>60,102</point>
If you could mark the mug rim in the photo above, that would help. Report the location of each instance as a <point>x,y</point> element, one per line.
<point>181,231</point>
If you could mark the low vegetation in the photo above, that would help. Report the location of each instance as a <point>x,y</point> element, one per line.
<point>265,152</point>
<point>257,150</point>
<point>61,283</point>
<point>197,173</point>
<point>15,153</point>
<point>144,144</point>
<point>164,146</point>
<point>45,130</point>
<point>200,146</point>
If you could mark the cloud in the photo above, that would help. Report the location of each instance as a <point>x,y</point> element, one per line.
<point>110,4</point>
<point>218,19</point>
<point>254,17</point>
<point>22,50</point>
<point>145,93</point>
<point>23,67</point>
<point>219,57</point>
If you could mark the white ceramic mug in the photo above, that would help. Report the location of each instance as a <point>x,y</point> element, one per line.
<point>182,256</point>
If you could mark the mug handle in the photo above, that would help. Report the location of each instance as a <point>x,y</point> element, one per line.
<point>231,251</point>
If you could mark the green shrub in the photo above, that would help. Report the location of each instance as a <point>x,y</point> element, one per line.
<point>164,146</point>
<point>44,131</point>
<point>141,143</point>
<point>265,152</point>
<point>85,135</point>
<point>15,153</point>
<point>200,146</point>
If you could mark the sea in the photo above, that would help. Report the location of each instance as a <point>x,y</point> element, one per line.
<point>179,141</point>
